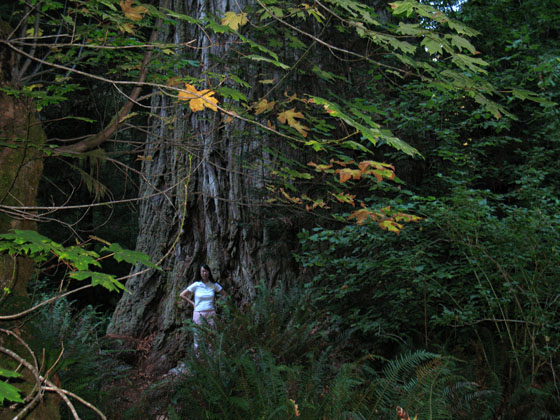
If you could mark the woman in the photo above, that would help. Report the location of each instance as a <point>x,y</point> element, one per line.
<point>204,291</point>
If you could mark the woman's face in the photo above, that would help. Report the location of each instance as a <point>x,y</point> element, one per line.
<point>204,273</point>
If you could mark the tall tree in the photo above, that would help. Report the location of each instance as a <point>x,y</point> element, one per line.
<point>208,179</point>
<point>243,96</point>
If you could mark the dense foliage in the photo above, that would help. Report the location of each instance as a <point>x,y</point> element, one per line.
<point>477,277</point>
<point>454,315</point>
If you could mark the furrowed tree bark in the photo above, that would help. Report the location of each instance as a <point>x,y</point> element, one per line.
<point>210,178</point>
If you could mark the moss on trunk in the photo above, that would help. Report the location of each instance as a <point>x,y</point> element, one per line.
<point>21,164</point>
<point>21,142</point>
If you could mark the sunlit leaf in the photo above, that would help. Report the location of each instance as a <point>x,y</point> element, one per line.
<point>133,12</point>
<point>234,20</point>
<point>198,100</point>
<point>263,106</point>
<point>289,117</point>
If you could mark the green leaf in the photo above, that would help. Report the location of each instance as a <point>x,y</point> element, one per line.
<point>402,7</point>
<point>129,256</point>
<point>462,43</point>
<point>4,373</point>
<point>31,242</point>
<point>259,47</point>
<point>358,10</point>
<point>7,391</point>
<point>465,62</point>
<point>234,94</point>
<point>107,281</point>
<point>531,96</point>
<point>411,29</point>
<point>268,60</point>
<point>371,132</point>
<point>461,28</point>
<point>433,44</point>
<point>325,75</point>
<point>181,16</point>
<point>79,257</point>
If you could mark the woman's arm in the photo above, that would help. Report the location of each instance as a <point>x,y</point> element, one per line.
<point>186,296</point>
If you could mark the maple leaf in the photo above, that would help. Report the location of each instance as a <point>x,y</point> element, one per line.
<point>263,106</point>
<point>342,163</point>
<point>289,117</point>
<point>292,97</point>
<point>234,20</point>
<point>404,217</point>
<point>347,173</point>
<point>133,12</point>
<point>380,170</point>
<point>198,99</point>
<point>320,167</point>
<point>345,198</point>
<point>361,215</point>
<point>229,118</point>
<point>391,225</point>
<point>290,198</point>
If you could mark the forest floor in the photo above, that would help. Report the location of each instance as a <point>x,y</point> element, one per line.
<point>137,395</point>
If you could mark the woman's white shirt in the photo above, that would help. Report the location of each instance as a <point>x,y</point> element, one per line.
<point>204,295</point>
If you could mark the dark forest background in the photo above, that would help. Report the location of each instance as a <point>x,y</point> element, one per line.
<point>374,183</point>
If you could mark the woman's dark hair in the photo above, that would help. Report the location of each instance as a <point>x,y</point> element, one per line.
<point>210,276</point>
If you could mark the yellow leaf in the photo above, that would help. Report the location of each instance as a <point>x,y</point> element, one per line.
<point>291,97</point>
<point>198,100</point>
<point>132,12</point>
<point>289,117</point>
<point>404,217</point>
<point>290,198</point>
<point>301,129</point>
<point>229,118</point>
<point>234,20</point>
<point>174,81</point>
<point>391,226</point>
<point>149,158</point>
<point>263,106</point>
<point>126,27</point>
<point>345,198</point>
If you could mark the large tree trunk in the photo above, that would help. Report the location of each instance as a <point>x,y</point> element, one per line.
<point>21,166</point>
<point>22,139</point>
<point>202,186</point>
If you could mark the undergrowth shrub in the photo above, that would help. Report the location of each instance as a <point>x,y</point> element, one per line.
<point>477,278</point>
<point>276,359</point>
<point>71,342</point>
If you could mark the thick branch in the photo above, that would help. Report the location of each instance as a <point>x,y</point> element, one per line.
<point>97,139</point>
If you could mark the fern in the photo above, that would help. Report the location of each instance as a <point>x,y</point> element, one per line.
<point>83,367</point>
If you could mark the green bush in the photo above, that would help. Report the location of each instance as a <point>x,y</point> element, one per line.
<point>477,278</point>
<point>275,360</point>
